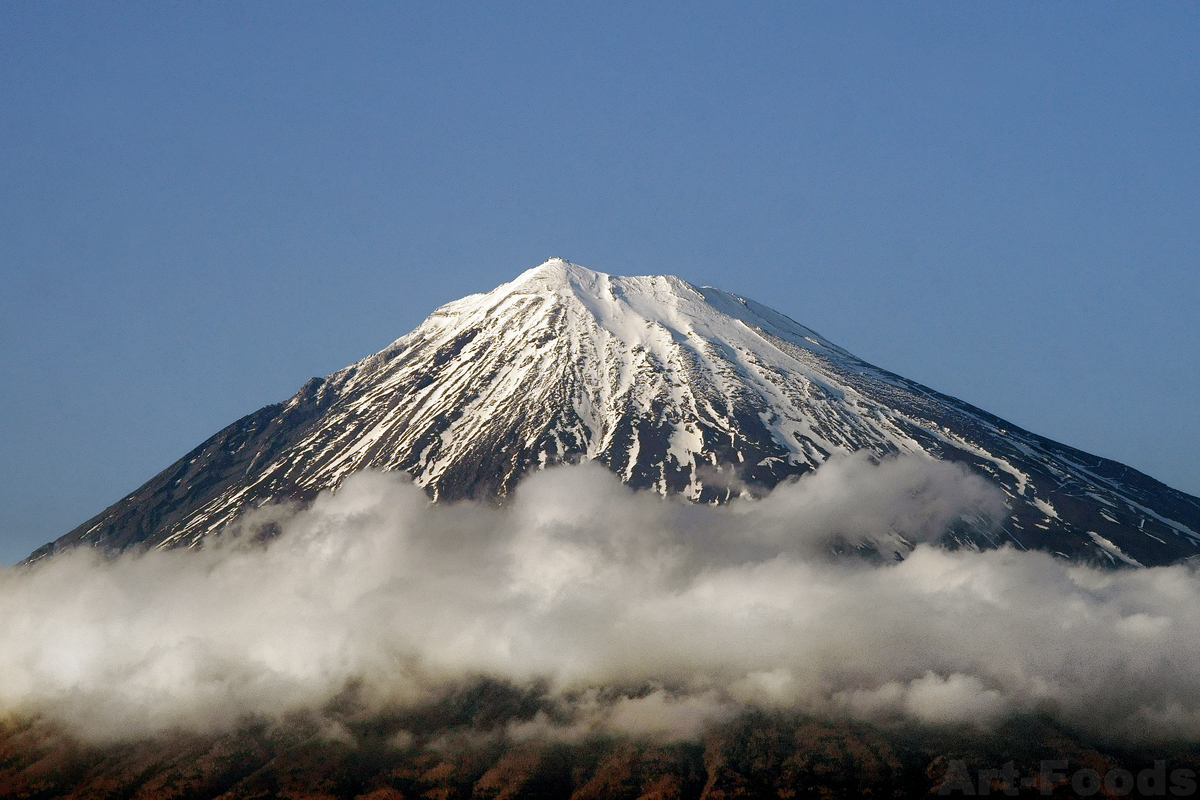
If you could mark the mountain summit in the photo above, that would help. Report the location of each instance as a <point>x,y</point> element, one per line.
<point>679,389</point>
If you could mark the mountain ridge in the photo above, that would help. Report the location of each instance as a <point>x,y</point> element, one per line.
<point>683,390</point>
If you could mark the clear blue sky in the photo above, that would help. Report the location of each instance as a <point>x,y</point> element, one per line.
<point>204,204</point>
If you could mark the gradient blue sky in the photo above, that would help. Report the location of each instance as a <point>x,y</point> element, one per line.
<point>203,205</point>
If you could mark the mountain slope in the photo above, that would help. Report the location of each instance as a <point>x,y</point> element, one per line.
<point>683,390</point>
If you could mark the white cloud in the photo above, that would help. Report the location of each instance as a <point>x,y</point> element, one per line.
<point>586,585</point>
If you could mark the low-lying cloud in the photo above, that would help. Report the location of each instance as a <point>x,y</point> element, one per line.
<point>583,586</point>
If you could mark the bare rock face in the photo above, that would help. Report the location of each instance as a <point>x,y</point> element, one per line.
<point>682,390</point>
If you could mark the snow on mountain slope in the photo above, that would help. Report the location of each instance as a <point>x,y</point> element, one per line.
<point>682,390</point>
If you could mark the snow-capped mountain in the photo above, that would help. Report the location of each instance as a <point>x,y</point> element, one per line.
<point>678,389</point>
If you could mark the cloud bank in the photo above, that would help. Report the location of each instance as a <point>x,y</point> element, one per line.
<point>692,613</point>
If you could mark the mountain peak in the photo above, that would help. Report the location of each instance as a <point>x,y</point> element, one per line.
<point>566,277</point>
<point>558,273</point>
<point>684,391</point>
